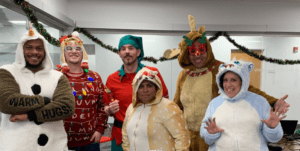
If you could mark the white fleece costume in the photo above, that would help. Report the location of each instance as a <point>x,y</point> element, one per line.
<point>46,132</point>
<point>240,116</point>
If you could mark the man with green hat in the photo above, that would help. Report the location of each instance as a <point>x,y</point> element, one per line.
<point>131,52</point>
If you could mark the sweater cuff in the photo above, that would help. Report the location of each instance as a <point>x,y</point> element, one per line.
<point>100,129</point>
<point>106,108</point>
<point>32,117</point>
<point>272,130</point>
<point>213,136</point>
<point>47,100</point>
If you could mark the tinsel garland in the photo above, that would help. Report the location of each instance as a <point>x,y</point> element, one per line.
<point>39,27</point>
<point>115,50</point>
<point>96,40</point>
<point>29,12</point>
<point>215,37</point>
<point>260,57</point>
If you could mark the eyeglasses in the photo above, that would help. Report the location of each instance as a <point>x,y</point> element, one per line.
<point>76,48</point>
<point>197,51</point>
<point>30,48</point>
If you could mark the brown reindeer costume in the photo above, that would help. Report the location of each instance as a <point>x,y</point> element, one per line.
<point>197,87</point>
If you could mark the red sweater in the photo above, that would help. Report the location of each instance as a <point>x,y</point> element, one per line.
<point>89,115</point>
<point>122,91</point>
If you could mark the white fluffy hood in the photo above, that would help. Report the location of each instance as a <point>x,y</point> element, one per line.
<point>241,68</point>
<point>20,59</point>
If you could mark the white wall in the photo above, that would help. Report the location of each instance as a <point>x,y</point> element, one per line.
<point>53,13</point>
<point>238,15</point>
<point>279,80</point>
<point>12,35</point>
<point>56,5</point>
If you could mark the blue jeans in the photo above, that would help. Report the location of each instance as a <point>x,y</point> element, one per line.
<point>90,147</point>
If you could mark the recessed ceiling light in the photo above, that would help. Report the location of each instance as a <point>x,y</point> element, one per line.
<point>18,22</point>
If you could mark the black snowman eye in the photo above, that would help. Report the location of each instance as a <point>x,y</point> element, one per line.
<point>236,62</point>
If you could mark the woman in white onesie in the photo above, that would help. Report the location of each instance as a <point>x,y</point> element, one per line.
<point>239,120</point>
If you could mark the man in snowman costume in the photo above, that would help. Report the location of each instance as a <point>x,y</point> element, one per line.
<point>34,100</point>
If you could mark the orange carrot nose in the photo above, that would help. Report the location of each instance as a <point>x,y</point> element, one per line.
<point>31,32</point>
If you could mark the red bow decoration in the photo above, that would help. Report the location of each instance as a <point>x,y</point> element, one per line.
<point>62,39</point>
<point>65,37</point>
<point>148,74</point>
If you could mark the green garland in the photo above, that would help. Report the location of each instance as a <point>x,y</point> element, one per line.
<point>260,57</point>
<point>96,40</point>
<point>39,27</point>
<point>115,50</point>
<point>26,8</point>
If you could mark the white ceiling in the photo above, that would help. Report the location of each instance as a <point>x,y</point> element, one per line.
<point>286,1</point>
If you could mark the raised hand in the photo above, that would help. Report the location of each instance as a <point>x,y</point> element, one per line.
<point>212,128</point>
<point>273,119</point>
<point>282,105</point>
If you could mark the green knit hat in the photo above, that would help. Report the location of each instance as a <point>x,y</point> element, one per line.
<point>137,42</point>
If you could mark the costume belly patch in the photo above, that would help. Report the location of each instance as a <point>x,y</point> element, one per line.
<point>195,96</point>
<point>241,123</point>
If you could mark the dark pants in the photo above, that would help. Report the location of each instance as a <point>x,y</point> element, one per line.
<point>197,143</point>
<point>90,147</point>
<point>115,147</point>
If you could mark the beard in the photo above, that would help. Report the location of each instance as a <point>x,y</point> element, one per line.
<point>129,62</point>
<point>28,65</point>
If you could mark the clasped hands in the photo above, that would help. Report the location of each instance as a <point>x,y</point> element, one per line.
<point>19,117</point>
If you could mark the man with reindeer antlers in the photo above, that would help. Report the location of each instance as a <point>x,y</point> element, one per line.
<point>196,83</point>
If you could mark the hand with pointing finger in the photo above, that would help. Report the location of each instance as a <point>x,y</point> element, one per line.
<point>282,105</point>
